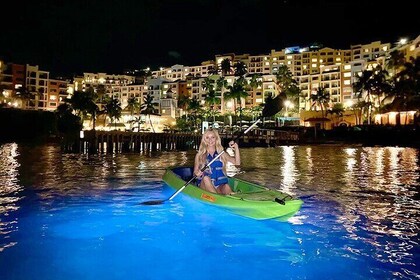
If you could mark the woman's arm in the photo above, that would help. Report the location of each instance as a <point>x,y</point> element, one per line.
<point>236,158</point>
<point>197,168</point>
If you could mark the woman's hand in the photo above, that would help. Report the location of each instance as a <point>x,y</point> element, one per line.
<point>233,145</point>
<point>198,173</point>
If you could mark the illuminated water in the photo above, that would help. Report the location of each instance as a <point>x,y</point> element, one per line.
<point>66,216</point>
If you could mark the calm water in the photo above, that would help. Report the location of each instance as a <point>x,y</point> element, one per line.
<point>70,216</point>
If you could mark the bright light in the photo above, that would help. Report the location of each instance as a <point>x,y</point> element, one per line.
<point>403,41</point>
<point>288,104</point>
<point>349,103</point>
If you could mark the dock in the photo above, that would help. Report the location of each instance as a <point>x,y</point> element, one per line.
<point>95,141</point>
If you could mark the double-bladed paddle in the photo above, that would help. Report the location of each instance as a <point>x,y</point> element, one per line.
<point>271,107</point>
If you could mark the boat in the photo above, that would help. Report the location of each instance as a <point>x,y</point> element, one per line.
<point>249,199</point>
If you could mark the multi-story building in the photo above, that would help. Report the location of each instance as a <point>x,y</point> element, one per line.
<point>9,81</point>
<point>56,94</point>
<point>28,87</point>
<point>335,70</point>
<point>259,64</point>
<point>181,72</point>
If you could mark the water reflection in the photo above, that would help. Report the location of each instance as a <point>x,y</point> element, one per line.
<point>9,192</point>
<point>288,169</point>
<point>373,191</point>
<point>368,194</point>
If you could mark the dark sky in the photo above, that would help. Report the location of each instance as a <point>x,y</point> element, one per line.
<point>71,37</point>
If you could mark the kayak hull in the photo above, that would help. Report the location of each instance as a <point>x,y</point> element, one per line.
<point>249,200</point>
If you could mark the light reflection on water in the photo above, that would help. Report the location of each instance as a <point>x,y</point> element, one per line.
<point>9,190</point>
<point>355,194</point>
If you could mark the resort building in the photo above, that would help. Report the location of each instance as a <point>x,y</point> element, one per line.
<point>30,88</point>
<point>312,67</point>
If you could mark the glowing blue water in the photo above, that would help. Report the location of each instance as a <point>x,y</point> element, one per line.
<point>78,217</point>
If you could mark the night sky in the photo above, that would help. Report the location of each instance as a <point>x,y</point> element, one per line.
<point>71,37</point>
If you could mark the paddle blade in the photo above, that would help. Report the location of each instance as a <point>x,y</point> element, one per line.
<point>152,202</point>
<point>273,105</point>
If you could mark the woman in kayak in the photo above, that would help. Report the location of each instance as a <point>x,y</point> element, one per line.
<point>214,178</point>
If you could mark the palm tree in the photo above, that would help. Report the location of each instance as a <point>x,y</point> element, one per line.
<point>255,81</point>
<point>208,84</point>
<point>284,77</point>
<point>91,104</point>
<point>133,105</point>
<point>221,83</point>
<point>337,109</point>
<point>148,108</point>
<point>374,84</point>
<point>321,98</point>
<point>381,86</point>
<point>183,102</point>
<point>395,61</point>
<point>211,100</point>
<point>287,85</point>
<point>406,86</point>
<point>24,95</point>
<point>113,109</point>
<point>236,92</point>
<point>78,102</point>
<point>240,69</point>
<point>225,66</point>
<point>68,124</point>
<point>194,109</point>
<point>363,88</point>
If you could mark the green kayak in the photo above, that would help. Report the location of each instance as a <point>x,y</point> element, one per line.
<point>250,200</point>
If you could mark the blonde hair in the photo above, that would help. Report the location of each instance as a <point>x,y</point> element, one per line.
<point>202,150</point>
